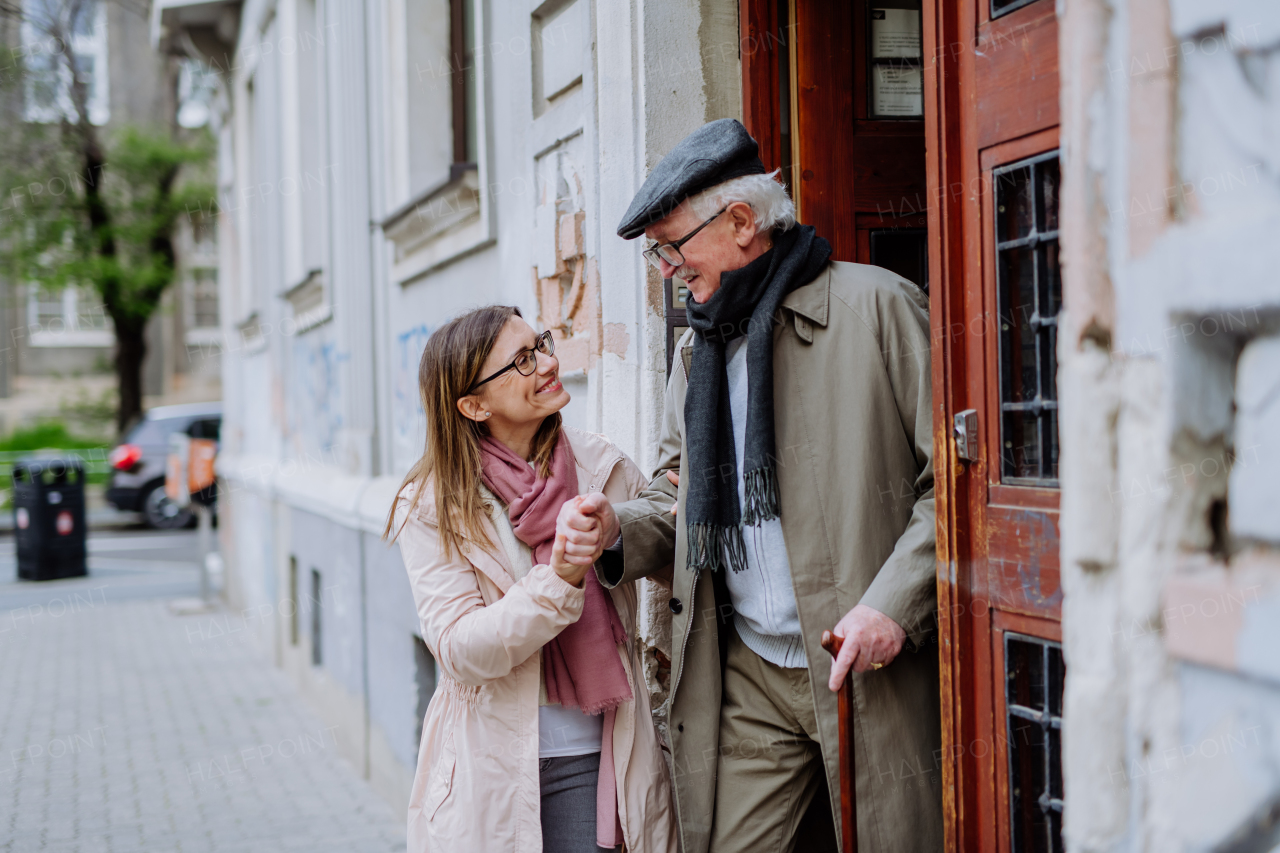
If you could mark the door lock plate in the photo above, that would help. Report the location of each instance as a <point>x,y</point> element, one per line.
<point>966,432</point>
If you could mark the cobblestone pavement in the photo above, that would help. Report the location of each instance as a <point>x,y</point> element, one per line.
<point>125,728</point>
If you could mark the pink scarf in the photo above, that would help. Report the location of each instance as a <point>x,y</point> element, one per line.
<point>581,666</point>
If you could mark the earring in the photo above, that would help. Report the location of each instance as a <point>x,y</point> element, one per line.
<point>488,414</point>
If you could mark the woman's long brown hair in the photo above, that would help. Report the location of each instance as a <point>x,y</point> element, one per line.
<point>451,364</point>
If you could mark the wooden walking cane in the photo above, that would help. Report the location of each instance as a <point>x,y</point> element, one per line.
<point>844,752</point>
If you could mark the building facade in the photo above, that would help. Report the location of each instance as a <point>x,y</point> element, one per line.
<point>1085,189</point>
<point>384,166</point>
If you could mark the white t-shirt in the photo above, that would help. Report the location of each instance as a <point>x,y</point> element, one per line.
<point>567,731</point>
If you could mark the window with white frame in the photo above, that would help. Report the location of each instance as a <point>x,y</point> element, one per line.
<point>204,236</point>
<point>201,303</point>
<point>64,41</point>
<point>436,66</point>
<point>197,85</point>
<point>313,162</point>
<point>435,210</point>
<point>68,316</point>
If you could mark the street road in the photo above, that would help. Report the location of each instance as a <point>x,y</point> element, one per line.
<point>125,728</point>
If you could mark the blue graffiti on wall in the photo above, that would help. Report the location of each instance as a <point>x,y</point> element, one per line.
<point>319,402</point>
<point>409,419</point>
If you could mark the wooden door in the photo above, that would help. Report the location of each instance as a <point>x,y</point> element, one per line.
<point>980,173</point>
<point>992,131</point>
<point>854,162</point>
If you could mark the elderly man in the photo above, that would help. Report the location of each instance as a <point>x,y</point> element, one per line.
<point>798,419</point>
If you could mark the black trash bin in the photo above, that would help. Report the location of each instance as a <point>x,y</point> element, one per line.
<point>48,518</point>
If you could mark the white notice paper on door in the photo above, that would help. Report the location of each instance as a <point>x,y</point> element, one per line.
<point>895,33</point>
<point>897,91</point>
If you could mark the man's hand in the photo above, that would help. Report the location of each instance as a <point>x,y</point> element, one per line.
<point>673,477</point>
<point>869,637</point>
<point>588,525</point>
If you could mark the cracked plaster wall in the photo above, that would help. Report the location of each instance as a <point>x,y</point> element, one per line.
<point>1170,377</point>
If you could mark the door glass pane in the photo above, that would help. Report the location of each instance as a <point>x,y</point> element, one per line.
<point>1050,276</point>
<point>1001,7</point>
<point>1055,763</point>
<point>1051,461</point>
<point>1015,210</point>
<point>1048,206</point>
<point>1029,293</point>
<point>1018,358</point>
<point>1021,452</point>
<point>1055,677</point>
<point>1033,701</point>
<point>1024,670</point>
<point>1048,362</point>
<point>1030,824</point>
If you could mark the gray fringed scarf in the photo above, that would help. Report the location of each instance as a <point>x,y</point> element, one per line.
<point>746,303</point>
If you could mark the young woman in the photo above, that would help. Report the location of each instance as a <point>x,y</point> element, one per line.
<point>539,735</point>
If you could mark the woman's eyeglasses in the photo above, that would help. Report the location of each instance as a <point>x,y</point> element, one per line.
<point>526,362</point>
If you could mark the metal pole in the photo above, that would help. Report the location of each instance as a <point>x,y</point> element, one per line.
<point>204,530</point>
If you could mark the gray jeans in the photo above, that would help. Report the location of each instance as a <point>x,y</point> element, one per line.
<point>569,803</point>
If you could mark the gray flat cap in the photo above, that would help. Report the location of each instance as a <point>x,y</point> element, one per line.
<point>712,154</point>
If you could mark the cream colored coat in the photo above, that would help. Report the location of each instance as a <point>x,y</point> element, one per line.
<point>477,786</point>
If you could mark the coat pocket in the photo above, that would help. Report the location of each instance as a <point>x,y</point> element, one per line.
<point>441,779</point>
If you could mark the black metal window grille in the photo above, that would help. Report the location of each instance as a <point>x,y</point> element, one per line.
<point>293,600</point>
<point>1034,674</point>
<point>1004,7</point>
<point>317,640</point>
<point>1029,288</point>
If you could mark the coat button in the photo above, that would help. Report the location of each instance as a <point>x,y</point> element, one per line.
<point>680,727</point>
<point>675,605</point>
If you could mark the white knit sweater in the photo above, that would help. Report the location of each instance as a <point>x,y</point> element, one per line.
<point>764,602</point>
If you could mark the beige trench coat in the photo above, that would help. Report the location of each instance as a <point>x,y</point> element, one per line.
<point>855,467</point>
<point>477,788</point>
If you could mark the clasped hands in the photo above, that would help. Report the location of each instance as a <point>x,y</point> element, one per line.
<point>586,525</point>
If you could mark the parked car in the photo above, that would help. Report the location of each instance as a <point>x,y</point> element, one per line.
<point>138,463</point>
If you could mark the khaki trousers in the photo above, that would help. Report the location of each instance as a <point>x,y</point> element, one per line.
<point>770,758</point>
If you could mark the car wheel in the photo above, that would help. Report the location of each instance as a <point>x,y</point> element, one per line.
<point>162,513</point>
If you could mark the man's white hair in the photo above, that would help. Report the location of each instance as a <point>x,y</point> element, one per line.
<point>764,193</point>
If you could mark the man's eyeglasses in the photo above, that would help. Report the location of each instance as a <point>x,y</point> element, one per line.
<point>526,362</point>
<point>670,252</point>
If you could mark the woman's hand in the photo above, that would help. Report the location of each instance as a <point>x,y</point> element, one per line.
<point>570,573</point>
<point>578,542</point>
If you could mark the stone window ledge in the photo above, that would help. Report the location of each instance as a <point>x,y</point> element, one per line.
<point>73,338</point>
<point>309,301</point>
<point>442,225</point>
<point>203,336</point>
<point>250,331</point>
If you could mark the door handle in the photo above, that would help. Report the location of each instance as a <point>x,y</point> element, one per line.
<point>966,432</point>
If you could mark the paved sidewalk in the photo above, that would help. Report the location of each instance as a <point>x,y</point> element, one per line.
<point>121,730</point>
